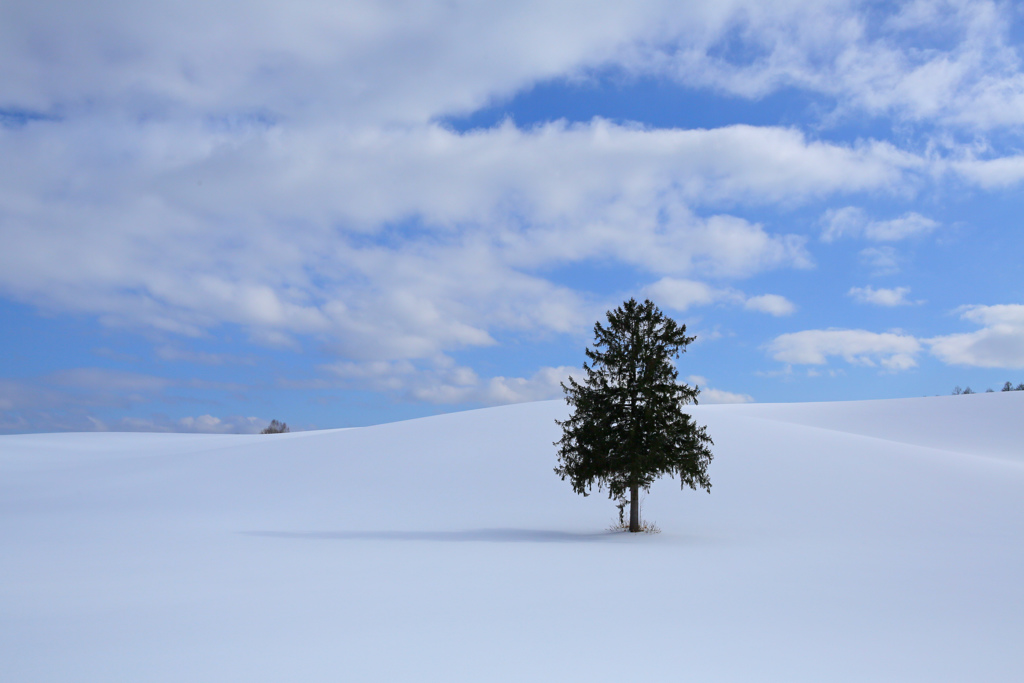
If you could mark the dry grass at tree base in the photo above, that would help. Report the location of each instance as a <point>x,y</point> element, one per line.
<point>645,527</point>
<point>623,525</point>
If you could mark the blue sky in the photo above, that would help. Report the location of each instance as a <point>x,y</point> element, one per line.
<point>350,213</point>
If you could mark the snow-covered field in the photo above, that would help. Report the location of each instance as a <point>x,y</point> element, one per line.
<point>867,541</point>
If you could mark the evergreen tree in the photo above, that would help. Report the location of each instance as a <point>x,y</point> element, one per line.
<point>628,427</point>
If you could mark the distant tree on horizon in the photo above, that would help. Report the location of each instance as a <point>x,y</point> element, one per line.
<point>275,427</point>
<point>628,427</point>
<point>1008,386</point>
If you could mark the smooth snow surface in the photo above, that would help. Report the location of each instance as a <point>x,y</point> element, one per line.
<point>867,541</point>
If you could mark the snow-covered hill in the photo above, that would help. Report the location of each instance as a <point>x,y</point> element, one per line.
<point>867,541</point>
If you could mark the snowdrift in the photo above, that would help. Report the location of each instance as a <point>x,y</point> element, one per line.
<point>863,541</point>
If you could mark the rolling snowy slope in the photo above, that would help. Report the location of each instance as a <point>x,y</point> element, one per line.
<point>867,541</point>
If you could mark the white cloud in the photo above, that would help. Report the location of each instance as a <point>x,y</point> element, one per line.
<point>682,294</point>
<point>71,400</point>
<point>201,424</point>
<point>773,304</point>
<point>710,395</point>
<point>295,224</point>
<point>839,222</point>
<point>910,224</point>
<point>461,385</point>
<point>991,174</point>
<point>896,296</point>
<point>1010,315</point>
<point>358,60</point>
<point>891,350</point>
<point>440,380</point>
<point>543,384</point>
<point>208,424</point>
<point>954,62</point>
<point>294,179</point>
<point>946,62</point>
<point>999,344</point>
<point>853,221</point>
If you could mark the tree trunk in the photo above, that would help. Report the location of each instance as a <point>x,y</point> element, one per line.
<point>634,508</point>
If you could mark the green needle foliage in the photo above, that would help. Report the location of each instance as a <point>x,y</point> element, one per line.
<point>628,427</point>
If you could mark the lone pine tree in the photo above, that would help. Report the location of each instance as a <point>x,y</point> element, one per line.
<point>627,426</point>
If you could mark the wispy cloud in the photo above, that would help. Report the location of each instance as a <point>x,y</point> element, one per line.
<point>173,353</point>
<point>854,222</point>
<point>103,380</point>
<point>682,294</point>
<point>773,304</point>
<point>442,381</point>
<point>77,400</point>
<point>896,296</point>
<point>711,395</point>
<point>947,62</point>
<point>881,260</point>
<point>200,424</point>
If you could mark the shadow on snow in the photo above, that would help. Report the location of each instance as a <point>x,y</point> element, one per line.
<point>470,535</point>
